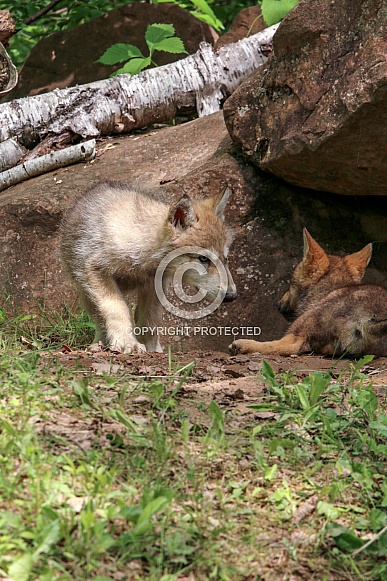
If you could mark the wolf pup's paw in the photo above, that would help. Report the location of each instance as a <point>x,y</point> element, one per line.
<point>243,346</point>
<point>132,347</point>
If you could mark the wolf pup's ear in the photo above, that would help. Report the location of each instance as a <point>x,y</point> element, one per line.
<point>315,258</point>
<point>310,245</point>
<point>182,213</point>
<point>358,261</point>
<point>222,203</point>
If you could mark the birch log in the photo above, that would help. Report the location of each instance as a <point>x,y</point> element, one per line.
<point>10,153</point>
<point>34,167</point>
<point>124,103</point>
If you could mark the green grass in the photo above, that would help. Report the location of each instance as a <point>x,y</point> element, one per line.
<point>105,475</point>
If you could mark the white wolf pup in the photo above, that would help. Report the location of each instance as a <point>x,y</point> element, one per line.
<point>112,241</point>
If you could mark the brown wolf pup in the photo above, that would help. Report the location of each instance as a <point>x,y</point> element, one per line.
<point>333,314</point>
<point>112,242</point>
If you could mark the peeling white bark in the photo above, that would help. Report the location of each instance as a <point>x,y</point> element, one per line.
<point>124,103</point>
<point>10,153</point>
<point>81,152</point>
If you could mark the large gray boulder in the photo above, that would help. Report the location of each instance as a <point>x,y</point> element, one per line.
<point>315,114</point>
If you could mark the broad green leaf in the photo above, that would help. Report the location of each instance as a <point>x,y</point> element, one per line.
<point>217,416</point>
<point>384,491</point>
<point>319,383</point>
<point>367,401</point>
<point>274,10</point>
<point>87,515</point>
<point>8,427</point>
<point>204,7</point>
<point>303,397</point>
<point>155,33</point>
<point>206,14</point>
<point>119,53</point>
<point>131,513</point>
<point>271,472</point>
<point>152,508</point>
<point>381,546</point>
<point>377,518</point>
<point>134,66</point>
<point>174,45</point>
<point>309,414</point>
<point>327,509</point>
<point>267,370</point>
<point>20,570</point>
<point>215,411</point>
<point>344,538</point>
<point>380,425</point>
<point>215,23</point>
<point>51,537</point>
<point>364,361</point>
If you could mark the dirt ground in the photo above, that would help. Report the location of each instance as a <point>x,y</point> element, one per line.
<point>232,381</point>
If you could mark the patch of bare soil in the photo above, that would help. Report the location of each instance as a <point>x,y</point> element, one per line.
<point>232,381</point>
<point>215,366</point>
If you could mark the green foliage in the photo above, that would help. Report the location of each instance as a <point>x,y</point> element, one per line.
<point>347,541</point>
<point>216,13</point>
<point>201,9</point>
<point>226,11</point>
<point>357,429</point>
<point>274,10</point>
<point>47,329</point>
<point>64,15</point>
<point>69,14</point>
<point>159,37</point>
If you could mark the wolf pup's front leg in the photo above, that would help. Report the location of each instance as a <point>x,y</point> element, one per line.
<point>110,312</point>
<point>148,316</point>
<point>289,345</point>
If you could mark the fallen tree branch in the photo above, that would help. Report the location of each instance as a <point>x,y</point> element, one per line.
<point>81,152</point>
<point>124,103</point>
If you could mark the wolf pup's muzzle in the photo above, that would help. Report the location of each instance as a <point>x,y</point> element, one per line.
<point>286,311</point>
<point>230,296</point>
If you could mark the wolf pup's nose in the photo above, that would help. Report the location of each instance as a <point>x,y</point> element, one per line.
<point>229,297</point>
<point>286,311</point>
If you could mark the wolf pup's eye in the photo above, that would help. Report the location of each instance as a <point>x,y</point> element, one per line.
<point>204,259</point>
